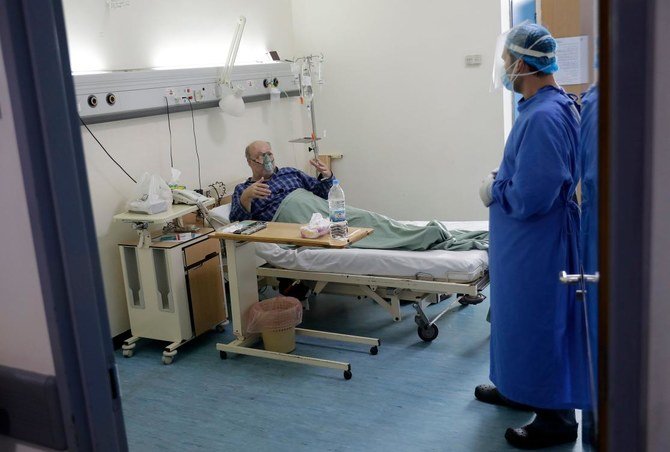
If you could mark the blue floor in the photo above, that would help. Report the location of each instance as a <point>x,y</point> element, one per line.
<point>412,396</point>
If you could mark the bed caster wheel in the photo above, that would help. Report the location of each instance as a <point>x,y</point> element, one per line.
<point>470,299</point>
<point>127,353</point>
<point>428,333</point>
<point>374,350</point>
<point>223,355</point>
<point>167,360</point>
<point>220,328</point>
<point>347,375</point>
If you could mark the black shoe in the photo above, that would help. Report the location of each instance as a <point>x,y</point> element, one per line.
<point>531,437</point>
<point>490,394</point>
<point>293,288</point>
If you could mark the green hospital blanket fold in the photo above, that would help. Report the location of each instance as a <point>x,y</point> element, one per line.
<point>299,206</point>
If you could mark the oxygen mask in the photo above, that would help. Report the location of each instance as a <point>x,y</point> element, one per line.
<point>268,163</point>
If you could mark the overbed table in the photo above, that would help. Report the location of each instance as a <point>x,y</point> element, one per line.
<point>242,263</point>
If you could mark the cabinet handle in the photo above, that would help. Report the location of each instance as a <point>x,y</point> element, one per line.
<point>202,262</point>
<point>210,255</point>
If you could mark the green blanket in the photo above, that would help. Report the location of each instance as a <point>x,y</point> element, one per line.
<point>299,206</point>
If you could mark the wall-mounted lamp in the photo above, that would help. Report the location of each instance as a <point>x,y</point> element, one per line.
<point>232,102</point>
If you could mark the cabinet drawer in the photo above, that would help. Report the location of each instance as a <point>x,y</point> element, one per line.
<point>197,252</point>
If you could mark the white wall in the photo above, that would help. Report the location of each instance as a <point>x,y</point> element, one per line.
<point>658,399</point>
<point>175,33</point>
<point>418,128</point>
<point>131,37</point>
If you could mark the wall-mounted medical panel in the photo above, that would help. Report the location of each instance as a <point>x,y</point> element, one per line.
<point>111,96</point>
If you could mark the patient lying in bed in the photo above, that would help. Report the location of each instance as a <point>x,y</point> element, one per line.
<point>290,196</point>
<point>389,234</point>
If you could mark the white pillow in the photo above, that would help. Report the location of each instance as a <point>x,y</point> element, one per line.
<point>221,214</point>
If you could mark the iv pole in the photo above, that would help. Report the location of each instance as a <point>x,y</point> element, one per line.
<point>307,93</point>
<point>315,144</point>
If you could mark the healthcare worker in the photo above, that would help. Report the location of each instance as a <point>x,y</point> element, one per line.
<point>538,351</point>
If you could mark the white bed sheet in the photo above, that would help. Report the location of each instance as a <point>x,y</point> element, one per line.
<point>454,266</point>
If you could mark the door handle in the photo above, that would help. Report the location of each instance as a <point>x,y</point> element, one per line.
<point>566,278</point>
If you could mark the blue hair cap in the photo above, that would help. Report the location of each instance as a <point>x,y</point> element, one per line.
<point>536,39</point>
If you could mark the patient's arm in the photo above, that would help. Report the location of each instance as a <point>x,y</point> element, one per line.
<point>243,197</point>
<point>324,171</point>
<point>237,211</point>
<point>319,187</point>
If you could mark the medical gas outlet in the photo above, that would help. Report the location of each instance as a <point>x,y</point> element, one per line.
<point>144,93</point>
<point>186,95</point>
<point>267,83</point>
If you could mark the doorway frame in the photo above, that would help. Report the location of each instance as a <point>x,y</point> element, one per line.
<point>41,91</point>
<point>625,156</point>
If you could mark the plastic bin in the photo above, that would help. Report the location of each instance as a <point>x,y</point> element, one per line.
<point>282,341</point>
<point>276,319</point>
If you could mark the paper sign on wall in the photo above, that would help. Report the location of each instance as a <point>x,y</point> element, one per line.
<point>573,60</point>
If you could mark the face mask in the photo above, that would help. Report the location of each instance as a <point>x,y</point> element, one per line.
<point>268,163</point>
<point>507,81</point>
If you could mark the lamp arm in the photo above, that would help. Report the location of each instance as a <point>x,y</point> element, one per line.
<point>226,71</point>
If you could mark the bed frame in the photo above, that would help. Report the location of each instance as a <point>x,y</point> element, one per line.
<point>388,292</point>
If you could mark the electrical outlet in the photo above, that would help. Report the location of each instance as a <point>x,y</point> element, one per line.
<point>473,60</point>
<point>172,95</point>
<point>180,95</point>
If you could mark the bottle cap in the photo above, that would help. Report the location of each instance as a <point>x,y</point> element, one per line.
<point>335,181</point>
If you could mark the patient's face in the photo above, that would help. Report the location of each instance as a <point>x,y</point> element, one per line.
<point>259,155</point>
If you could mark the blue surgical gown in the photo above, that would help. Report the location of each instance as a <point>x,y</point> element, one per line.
<point>538,353</point>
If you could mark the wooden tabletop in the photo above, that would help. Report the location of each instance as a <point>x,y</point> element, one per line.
<point>289,234</point>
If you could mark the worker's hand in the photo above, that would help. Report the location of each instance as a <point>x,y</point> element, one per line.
<point>321,168</point>
<point>258,189</point>
<point>486,189</point>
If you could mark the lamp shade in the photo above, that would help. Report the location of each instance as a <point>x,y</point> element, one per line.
<point>233,104</point>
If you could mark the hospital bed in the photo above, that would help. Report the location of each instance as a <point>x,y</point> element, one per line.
<point>386,276</point>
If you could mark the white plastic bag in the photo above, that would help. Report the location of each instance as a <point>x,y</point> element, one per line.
<point>152,195</point>
<point>174,181</point>
<point>317,227</point>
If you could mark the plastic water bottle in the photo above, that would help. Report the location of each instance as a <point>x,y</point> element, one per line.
<point>338,213</point>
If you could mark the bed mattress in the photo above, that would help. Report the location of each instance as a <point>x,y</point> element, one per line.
<point>439,265</point>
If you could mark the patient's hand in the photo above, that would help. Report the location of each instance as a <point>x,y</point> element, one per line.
<point>258,189</point>
<point>321,168</point>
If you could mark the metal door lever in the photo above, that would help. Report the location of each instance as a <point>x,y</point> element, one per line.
<point>574,279</point>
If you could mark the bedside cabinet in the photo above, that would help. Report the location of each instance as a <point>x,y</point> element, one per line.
<point>174,289</point>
